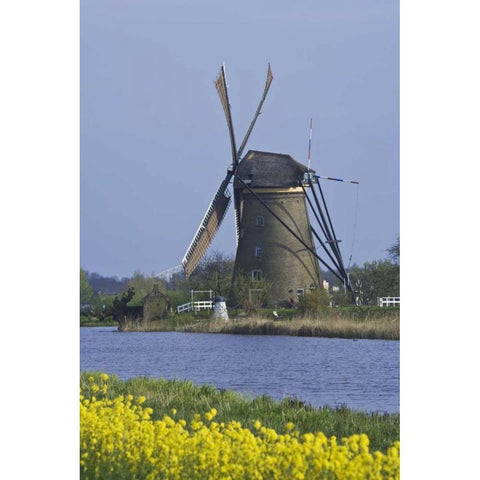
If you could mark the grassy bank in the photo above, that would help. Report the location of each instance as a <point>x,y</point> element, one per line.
<point>89,322</point>
<point>187,399</point>
<point>354,323</point>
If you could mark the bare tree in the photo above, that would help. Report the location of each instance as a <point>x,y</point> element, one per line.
<point>251,294</point>
<point>214,273</point>
<point>394,251</point>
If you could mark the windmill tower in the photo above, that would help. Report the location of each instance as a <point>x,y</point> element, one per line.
<point>273,231</point>
<point>267,185</point>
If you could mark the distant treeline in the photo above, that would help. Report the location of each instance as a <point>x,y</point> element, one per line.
<point>379,278</point>
<point>106,285</point>
<point>115,285</point>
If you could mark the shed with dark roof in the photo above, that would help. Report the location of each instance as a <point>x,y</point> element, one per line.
<point>155,305</point>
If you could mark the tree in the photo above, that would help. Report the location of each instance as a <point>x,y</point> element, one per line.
<point>119,306</point>
<point>251,294</point>
<point>394,251</point>
<point>106,285</point>
<point>380,278</point>
<point>340,298</point>
<point>142,286</point>
<point>314,302</point>
<point>101,306</point>
<point>86,291</point>
<point>213,273</point>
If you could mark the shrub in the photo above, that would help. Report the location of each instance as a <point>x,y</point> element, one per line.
<point>314,302</point>
<point>251,294</point>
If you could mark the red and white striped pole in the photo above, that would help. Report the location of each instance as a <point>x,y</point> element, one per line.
<point>309,145</point>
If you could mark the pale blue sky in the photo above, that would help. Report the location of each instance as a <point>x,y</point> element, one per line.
<point>154,143</point>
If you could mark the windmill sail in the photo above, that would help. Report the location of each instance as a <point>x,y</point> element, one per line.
<point>257,113</point>
<point>236,196</point>
<point>208,228</point>
<point>219,205</point>
<point>221,86</point>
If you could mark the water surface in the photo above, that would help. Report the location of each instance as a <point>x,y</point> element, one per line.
<point>361,374</point>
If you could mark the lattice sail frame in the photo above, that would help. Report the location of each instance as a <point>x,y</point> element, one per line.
<point>208,228</point>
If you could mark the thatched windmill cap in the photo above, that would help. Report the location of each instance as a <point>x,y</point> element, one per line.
<point>267,169</point>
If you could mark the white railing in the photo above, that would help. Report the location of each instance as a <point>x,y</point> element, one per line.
<point>203,305</point>
<point>186,307</point>
<point>196,306</point>
<point>388,301</point>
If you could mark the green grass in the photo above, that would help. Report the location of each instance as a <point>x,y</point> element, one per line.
<point>86,321</point>
<point>188,399</point>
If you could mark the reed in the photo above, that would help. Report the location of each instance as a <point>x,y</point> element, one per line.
<point>331,325</point>
<point>189,399</point>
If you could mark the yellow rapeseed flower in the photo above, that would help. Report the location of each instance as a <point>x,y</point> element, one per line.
<point>119,440</point>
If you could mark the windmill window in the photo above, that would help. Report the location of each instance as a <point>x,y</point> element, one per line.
<point>258,252</point>
<point>300,292</point>
<point>259,221</point>
<point>256,275</point>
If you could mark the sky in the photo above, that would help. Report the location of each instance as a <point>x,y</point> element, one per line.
<point>154,143</point>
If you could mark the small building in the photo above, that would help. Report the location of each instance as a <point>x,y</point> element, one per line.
<point>156,305</point>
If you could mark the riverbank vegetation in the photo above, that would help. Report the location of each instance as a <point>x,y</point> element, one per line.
<point>88,321</point>
<point>361,324</point>
<point>318,313</point>
<point>330,327</point>
<point>188,400</point>
<point>120,439</point>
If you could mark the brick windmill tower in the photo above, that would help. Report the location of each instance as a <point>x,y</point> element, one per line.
<point>275,240</point>
<point>267,186</point>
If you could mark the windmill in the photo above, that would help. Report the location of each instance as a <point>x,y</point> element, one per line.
<point>275,239</point>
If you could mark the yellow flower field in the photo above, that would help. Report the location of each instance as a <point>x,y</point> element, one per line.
<point>118,440</point>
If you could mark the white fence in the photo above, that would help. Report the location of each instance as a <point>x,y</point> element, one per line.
<point>388,301</point>
<point>195,306</point>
